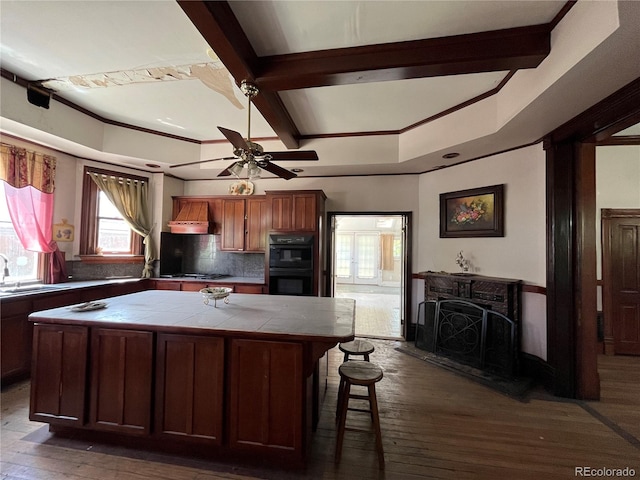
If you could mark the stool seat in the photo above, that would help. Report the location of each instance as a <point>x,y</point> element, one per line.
<point>361,373</point>
<point>356,347</point>
<point>364,374</point>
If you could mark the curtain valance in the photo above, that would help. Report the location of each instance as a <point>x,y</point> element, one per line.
<point>20,167</point>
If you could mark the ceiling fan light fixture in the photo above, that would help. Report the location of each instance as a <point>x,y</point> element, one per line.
<point>254,171</point>
<point>236,169</point>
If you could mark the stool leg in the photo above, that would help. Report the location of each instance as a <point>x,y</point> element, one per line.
<point>340,399</point>
<point>366,357</point>
<point>346,357</point>
<point>376,425</point>
<point>343,419</point>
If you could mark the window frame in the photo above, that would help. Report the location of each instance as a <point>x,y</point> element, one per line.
<point>89,215</point>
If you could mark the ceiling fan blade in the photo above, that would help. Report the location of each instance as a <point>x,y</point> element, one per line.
<point>226,172</point>
<point>200,161</point>
<point>235,138</point>
<point>279,171</point>
<point>293,155</point>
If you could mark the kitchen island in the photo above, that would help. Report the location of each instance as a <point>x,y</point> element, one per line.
<point>161,367</point>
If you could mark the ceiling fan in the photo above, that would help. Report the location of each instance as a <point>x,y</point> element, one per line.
<point>251,155</point>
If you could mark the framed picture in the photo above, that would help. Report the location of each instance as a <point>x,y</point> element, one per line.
<point>63,232</point>
<point>477,212</point>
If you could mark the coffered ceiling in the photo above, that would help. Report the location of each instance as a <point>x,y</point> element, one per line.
<point>372,86</point>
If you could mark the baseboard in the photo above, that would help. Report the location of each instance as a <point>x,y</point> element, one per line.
<point>536,368</point>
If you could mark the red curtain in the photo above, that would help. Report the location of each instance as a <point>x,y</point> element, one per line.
<point>29,193</point>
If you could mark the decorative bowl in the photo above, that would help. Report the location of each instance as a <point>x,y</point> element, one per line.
<point>215,294</point>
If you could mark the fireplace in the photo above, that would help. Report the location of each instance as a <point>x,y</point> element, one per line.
<point>473,320</point>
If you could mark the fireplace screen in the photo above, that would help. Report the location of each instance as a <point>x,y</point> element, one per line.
<point>469,334</point>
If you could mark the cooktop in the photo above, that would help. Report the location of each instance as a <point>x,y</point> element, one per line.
<point>198,276</point>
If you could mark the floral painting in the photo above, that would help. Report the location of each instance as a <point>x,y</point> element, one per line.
<point>476,212</point>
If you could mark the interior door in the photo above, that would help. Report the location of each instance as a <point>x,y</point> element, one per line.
<point>367,258</point>
<point>621,269</point>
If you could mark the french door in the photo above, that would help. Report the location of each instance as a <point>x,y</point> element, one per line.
<point>358,258</point>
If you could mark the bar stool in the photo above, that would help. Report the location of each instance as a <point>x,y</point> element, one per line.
<point>356,347</point>
<point>365,374</point>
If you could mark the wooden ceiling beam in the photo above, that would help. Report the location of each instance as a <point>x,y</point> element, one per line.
<point>498,50</point>
<point>219,27</point>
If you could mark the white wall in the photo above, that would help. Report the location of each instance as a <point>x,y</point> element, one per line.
<point>617,186</point>
<point>617,183</point>
<point>520,254</point>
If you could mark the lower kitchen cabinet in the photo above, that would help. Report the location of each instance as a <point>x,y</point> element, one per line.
<point>15,341</point>
<point>58,383</point>
<point>121,379</point>
<point>266,381</point>
<point>190,387</point>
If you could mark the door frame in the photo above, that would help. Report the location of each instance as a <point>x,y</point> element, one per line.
<point>609,214</point>
<point>572,350</point>
<point>405,301</point>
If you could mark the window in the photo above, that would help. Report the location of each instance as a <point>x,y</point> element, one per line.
<point>104,231</point>
<point>22,264</point>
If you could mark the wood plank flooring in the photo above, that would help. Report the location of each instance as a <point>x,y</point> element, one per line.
<point>435,425</point>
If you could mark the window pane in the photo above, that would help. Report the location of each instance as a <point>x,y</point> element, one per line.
<point>114,235</point>
<point>106,208</point>
<point>22,265</point>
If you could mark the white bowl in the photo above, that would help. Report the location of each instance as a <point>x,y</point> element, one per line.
<point>215,294</point>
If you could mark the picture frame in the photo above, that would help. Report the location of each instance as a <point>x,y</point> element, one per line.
<point>63,232</point>
<point>476,212</point>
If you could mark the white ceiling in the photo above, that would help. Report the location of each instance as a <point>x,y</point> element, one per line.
<point>44,40</point>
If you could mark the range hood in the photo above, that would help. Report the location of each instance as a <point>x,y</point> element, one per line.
<point>193,218</point>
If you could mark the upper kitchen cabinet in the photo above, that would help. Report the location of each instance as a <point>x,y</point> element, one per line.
<point>296,211</point>
<point>244,224</point>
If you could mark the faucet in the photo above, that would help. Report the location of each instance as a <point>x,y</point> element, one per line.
<point>5,272</point>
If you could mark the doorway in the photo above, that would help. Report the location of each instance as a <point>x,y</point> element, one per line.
<point>369,263</point>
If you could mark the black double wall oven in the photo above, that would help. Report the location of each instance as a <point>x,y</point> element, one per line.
<point>291,265</point>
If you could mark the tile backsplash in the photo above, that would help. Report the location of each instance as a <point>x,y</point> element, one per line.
<point>189,254</point>
<point>202,254</point>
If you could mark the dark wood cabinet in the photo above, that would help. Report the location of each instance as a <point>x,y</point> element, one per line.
<point>281,206</point>
<point>244,224</point>
<point>305,212</point>
<point>266,395</point>
<point>499,294</point>
<point>15,340</point>
<point>58,386</point>
<point>189,387</point>
<point>296,211</point>
<point>16,332</point>
<point>121,377</point>
<point>257,219</point>
<point>233,229</point>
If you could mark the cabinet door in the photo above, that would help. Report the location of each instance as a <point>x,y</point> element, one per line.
<point>121,379</point>
<point>281,212</point>
<point>304,212</point>
<point>189,388</point>
<point>256,289</point>
<point>257,218</point>
<point>266,395</point>
<point>15,340</point>
<point>58,382</point>
<point>232,225</point>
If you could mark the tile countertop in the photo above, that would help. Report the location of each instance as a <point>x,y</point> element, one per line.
<point>292,317</point>
<point>7,292</point>
<point>221,280</point>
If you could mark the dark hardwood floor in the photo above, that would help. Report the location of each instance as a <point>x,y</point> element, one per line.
<point>435,425</point>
